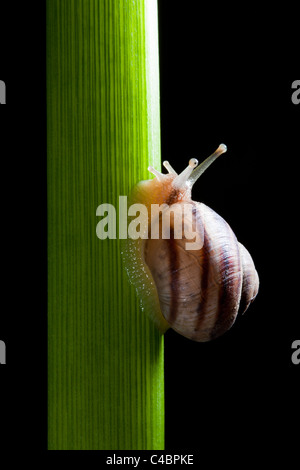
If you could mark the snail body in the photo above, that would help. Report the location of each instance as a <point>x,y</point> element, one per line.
<point>196,290</point>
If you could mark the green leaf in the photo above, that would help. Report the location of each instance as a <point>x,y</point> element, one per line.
<point>105,358</point>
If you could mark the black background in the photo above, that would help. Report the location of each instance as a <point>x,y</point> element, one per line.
<point>225,77</point>
<point>23,317</point>
<point>228,79</point>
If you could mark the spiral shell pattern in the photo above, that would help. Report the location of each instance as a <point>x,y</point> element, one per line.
<point>201,291</point>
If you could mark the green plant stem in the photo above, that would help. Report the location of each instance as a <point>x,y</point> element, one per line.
<point>105,359</point>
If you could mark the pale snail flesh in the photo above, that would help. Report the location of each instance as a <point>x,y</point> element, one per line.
<point>198,292</point>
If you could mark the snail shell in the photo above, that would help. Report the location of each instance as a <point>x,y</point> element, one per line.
<point>197,292</point>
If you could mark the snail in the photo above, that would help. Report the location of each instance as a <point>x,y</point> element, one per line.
<point>197,291</point>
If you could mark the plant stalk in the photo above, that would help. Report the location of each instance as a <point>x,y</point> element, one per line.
<point>105,358</point>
